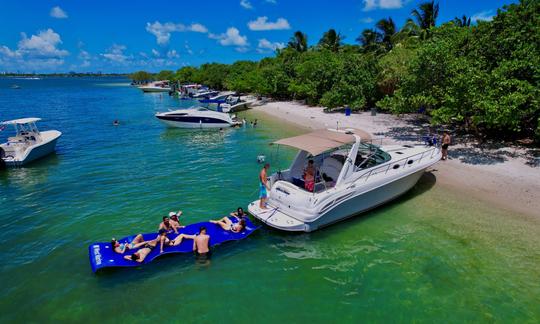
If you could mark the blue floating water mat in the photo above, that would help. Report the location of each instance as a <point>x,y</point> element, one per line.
<point>102,255</point>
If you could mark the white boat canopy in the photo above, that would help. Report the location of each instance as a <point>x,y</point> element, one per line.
<point>322,140</point>
<point>21,121</point>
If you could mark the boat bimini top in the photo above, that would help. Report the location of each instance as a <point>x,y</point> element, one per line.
<point>323,140</point>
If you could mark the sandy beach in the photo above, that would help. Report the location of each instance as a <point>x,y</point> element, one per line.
<point>506,177</point>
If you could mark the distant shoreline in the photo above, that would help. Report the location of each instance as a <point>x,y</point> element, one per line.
<point>501,176</point>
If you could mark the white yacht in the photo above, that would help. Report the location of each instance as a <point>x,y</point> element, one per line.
<point>160,86</point>
<point>198,117</point>
<point>28,144</point>
<point>352,176</point>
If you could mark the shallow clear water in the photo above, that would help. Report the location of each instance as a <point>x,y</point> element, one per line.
<point>432,255</point>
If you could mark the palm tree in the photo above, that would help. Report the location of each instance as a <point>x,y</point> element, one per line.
<point>369,39</point>
<point>298,42</point>
<point>331,40</point>
<point>387,29</point>
<point>425,16</point>
<point>463,21</point>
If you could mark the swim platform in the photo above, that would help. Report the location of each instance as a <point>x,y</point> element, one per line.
<point>102,254</point>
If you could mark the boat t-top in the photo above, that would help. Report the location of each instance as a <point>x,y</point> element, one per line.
<point>197,117</point>
<point>352,175</point>
<point>28,144</point>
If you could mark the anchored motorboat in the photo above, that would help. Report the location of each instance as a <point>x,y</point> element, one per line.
<point>28,144</point>
<point>352,175</point>
<point>160,86</point>
<point>198,117</point>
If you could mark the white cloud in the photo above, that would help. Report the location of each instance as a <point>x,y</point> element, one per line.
<point>42,45</point>
<point>231,37</point>
<point>116,54</point>
<point>262,23</point>
<point>155,53</point>
<point>188,49</point>
<point>163,31</point>
<point>198,28</point>
<point>366,20</point>
<point>266,45</point>
<point>486,15</point>
<point>57,12</point>
<point>172,54</point>
<point>382,4</point>
<point>246,4</point>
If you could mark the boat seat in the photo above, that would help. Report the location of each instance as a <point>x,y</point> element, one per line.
<point>331,168</point>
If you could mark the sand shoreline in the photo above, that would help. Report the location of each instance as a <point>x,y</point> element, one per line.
<point>500,176</point>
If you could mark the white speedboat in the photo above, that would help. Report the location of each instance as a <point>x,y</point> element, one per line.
<point>234,104</point>
<point>205,93</point>
<point>161,86</point>
<point>28,144</point>
<point>198,117</point>
<point>352,176</point>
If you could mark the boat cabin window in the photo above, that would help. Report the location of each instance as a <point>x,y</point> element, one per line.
<point>369,156</point>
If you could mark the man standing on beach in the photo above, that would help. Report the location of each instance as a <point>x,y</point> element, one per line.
<point>263,186</point>
<point>445,142</point>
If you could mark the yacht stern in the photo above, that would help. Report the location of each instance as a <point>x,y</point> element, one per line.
<point>273,217</point>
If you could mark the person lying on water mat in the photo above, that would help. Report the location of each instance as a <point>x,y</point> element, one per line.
<point>120,248</point>
<point>228,225</point>
<point>148,246</point>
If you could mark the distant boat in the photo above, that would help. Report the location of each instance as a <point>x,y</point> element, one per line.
<point>160,86</point>
<point>28,144</point>
<point>15,86</point>
<point>198,117</point>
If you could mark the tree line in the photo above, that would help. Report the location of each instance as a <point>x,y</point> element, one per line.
<point>483,78</point>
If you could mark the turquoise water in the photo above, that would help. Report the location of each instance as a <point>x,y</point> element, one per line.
<point>433,255</point>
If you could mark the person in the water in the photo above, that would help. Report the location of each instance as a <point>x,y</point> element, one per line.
<point>167,225</point>
<point>228,225</point>
<point>201,243</point>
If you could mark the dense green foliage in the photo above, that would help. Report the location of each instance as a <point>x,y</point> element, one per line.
<point>482,78</point>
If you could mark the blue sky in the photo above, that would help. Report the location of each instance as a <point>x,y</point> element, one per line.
<point>124,36</point>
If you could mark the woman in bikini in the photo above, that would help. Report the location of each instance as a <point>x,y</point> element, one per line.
<point>120,248</point>
<point>148,246</point>
<point>228,225</point>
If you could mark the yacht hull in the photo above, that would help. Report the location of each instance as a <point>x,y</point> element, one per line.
<point>36,151</point>
<point>355,205</point>
<point>194,124</point>
<point>154,89</point>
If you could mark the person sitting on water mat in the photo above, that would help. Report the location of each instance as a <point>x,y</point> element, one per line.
<point>167,225</point>
<point>239,213</point>
<point>120,248</point>
<point>228,225</point>
<point>173,219</point>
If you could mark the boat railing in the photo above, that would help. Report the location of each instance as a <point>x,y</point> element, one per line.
<point>409,160</point>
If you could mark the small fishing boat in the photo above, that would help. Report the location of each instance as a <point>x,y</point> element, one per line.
<point>351,175</point>
<point>198,117</point>
<point>28,144</point>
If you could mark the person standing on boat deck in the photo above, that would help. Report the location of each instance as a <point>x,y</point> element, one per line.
<point>445,143</point>
<point>309,176</point>
<point>263,186</point>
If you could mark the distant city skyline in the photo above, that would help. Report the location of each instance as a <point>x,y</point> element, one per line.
<point>121,37</point>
